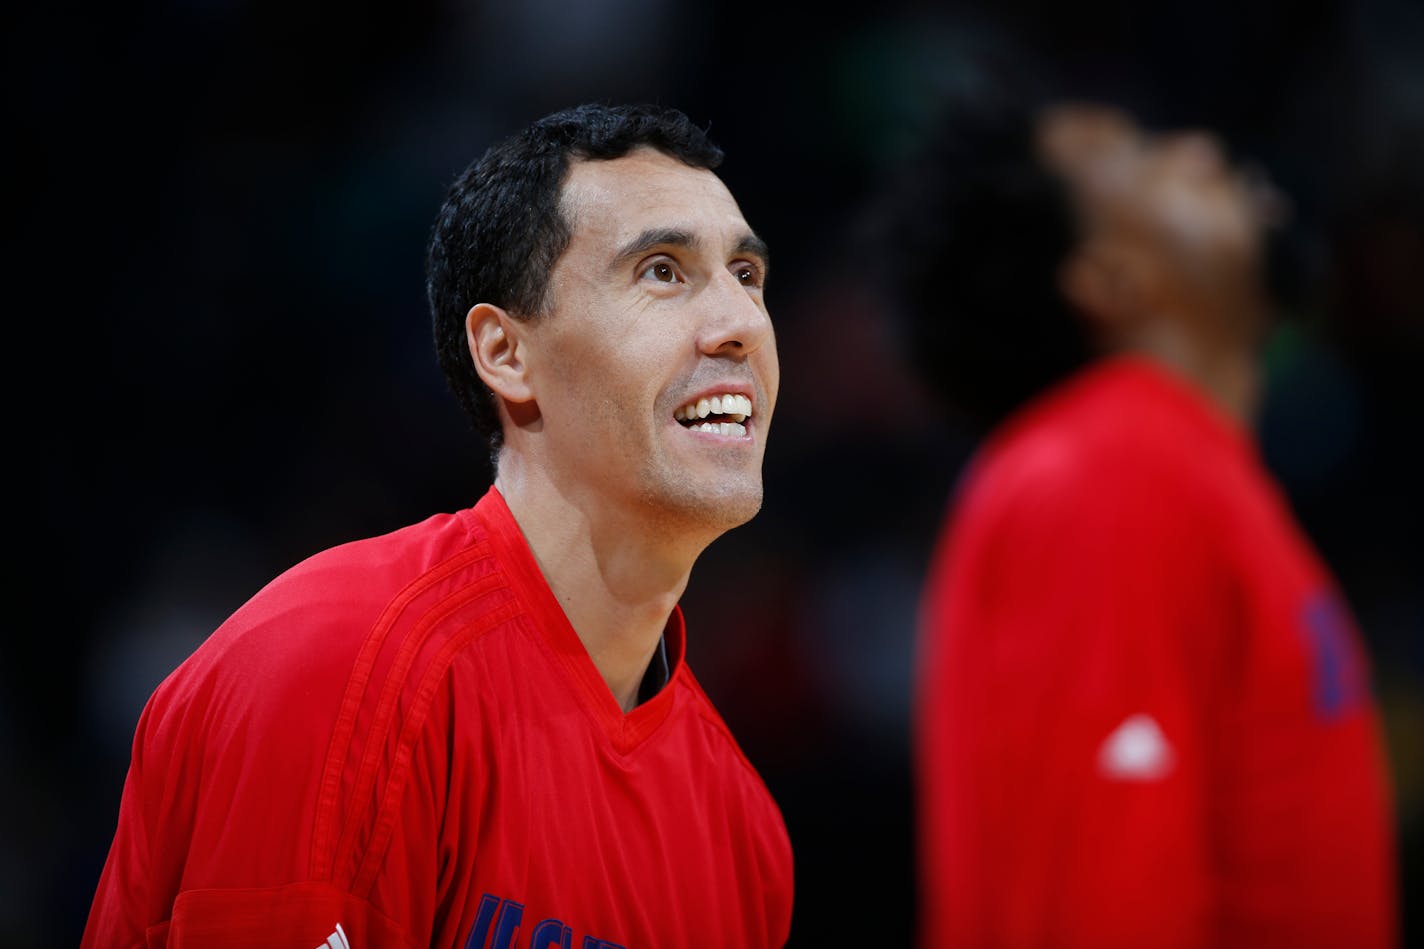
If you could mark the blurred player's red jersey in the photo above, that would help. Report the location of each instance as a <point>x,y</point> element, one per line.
<point>1144,712</point>
<point>405,737</point>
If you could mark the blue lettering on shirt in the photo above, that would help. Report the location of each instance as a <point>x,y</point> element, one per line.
<point>551,934</point>
<point>1337,680</point>
<point>505,917</point>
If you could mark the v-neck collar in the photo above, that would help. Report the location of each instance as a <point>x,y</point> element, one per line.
<point>552,626</point>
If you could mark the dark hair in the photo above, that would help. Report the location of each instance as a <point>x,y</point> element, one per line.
<point>969,235</point>
<point>501,228</point>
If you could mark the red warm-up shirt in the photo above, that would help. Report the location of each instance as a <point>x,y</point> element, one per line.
<point>402,742</point>
<point>1144,715</point>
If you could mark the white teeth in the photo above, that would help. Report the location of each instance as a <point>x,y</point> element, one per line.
<point>730,429</point>
<point>738,407</point>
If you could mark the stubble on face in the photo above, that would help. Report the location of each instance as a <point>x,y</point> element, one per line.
<point>714,502</point>
<point>628,353</point>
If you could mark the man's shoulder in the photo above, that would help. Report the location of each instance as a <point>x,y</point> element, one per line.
<point>342,614</point>
<point>1047,462</point>
<point>715,745</point>
<point>1113,434</point>
<point>343,589</point>
<point>722,772</point>
<point>304,715</point>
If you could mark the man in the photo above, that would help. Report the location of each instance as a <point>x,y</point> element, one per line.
<point>1143,711</point>
<point>480,730</point>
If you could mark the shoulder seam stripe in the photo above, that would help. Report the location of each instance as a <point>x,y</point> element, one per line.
<point>390,798</point>
<point>329,795</point>
<point>388,703</point>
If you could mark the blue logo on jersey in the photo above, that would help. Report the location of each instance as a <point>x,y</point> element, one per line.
<point>1338,680</point>
<point>504,917</point>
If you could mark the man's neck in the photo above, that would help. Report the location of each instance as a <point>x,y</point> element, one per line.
<point>1226,372</point>
<point>616,576</point>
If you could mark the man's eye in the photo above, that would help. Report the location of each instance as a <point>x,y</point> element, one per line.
<point>662,271</point>
<point>747,275</point>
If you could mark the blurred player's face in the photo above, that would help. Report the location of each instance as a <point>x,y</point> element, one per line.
<point>1172,197</point>
<point>656,368</point>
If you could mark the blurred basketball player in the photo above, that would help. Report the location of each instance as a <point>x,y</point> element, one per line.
<point>1143,714</point>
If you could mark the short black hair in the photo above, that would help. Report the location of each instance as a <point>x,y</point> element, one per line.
<point>969,234</point>
<point>501,227</point>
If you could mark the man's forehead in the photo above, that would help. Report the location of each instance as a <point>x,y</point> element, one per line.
<point>646,190</point>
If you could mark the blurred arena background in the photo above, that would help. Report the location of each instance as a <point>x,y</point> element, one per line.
<point>223,363</point>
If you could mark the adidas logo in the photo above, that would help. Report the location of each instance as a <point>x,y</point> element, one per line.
<point>1136,751</point>
<point>336,940</point>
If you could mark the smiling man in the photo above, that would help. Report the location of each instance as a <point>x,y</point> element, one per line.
<point>481,730</point>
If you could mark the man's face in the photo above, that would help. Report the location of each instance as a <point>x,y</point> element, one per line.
<point>656,308</point>
<point>1172,195</point>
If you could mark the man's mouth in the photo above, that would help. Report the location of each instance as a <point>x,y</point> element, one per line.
<point>721,414</point>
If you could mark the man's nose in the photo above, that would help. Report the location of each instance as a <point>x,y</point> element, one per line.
<point>735,323</point>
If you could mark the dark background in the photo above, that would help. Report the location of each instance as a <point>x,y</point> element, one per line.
<point>221,358</point>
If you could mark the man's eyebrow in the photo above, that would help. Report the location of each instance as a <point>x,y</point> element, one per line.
<point>653,237</point>
<point>749,244</point>
<point>756,247</point>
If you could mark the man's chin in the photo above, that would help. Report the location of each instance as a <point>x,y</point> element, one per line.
<point>714,509</point>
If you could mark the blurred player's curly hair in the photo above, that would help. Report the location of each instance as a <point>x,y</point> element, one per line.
<point>501,228</point>
<point>967,238</point>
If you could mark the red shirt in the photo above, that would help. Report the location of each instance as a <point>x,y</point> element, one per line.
<point>404,736</point>
<point>1143,714</point>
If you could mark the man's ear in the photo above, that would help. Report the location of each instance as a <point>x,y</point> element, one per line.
<point>496,344</point>
<point>1110,285</point>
